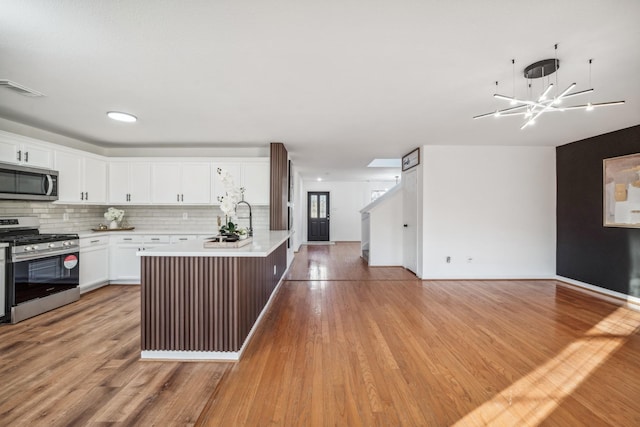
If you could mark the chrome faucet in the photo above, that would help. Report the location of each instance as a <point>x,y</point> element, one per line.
<point>250,231</point>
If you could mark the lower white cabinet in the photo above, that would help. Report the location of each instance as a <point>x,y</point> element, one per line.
<point>125,264</point>
<point>94,262</point>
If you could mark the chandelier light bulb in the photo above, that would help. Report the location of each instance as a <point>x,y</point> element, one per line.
<point>589,107</point>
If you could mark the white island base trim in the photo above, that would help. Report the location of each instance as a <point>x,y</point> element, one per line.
<point>211,356</point>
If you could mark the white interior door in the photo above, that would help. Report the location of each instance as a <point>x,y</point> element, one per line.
<point>410,220</point>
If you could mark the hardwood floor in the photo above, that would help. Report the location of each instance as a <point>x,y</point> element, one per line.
<point>79,366</point>
<point>342,344</point>
<point>387,349</point>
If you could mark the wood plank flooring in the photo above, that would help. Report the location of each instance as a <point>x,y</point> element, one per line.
<point>378,347</point>
<point>342,344</point>
<point>79,366</point>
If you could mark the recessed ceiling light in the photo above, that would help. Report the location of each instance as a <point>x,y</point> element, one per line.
<point>319,179</point>
<point>122,117</point>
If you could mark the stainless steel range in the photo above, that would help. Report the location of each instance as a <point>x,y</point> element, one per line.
<point>42,270</point>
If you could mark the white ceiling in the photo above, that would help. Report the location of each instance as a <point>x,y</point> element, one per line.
<point>338,82</point>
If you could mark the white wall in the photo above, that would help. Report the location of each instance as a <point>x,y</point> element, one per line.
<point>345,199</point>
<point>494,204</point>
<point>385,231</point>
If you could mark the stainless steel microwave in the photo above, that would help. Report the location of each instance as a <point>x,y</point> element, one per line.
<point>27,183</point>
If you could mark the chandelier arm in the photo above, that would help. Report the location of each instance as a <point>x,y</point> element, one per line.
<point>499,112</point>
<point>599,104</point>
<point>582,92</point>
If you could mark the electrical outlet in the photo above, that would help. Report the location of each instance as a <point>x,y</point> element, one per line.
<point>469,260</point>
<point>448,259</point>
<point>65,216</point>
<point>185,215</point>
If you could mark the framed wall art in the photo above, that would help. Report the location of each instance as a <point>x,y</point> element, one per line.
<point>621,191</point>
<point>411,159</point>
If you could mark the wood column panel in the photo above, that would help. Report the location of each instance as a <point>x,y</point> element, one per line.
<point>205,303</point>
<point>279,187</point>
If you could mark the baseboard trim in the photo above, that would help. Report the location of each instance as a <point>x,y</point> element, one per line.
<point>614,297</point>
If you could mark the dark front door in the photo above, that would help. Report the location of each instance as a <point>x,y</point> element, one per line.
<point>318,216</point>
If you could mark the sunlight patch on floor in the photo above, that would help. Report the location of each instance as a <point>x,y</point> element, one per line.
<point>531,399</point>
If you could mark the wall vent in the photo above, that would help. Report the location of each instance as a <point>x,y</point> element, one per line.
<point>22,90</point>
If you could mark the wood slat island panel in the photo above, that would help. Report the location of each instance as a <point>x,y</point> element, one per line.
<point>204,304</point>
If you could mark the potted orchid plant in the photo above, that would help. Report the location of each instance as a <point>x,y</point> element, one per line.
<point>228,204</point>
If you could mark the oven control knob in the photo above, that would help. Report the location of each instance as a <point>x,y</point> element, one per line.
<point>28,248</point>
<point>35,247</point>
<point>52,245</point>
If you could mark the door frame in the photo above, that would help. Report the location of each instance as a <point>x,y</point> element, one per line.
<point>328,194</point>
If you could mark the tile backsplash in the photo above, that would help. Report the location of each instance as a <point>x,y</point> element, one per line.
<point>60,218</point>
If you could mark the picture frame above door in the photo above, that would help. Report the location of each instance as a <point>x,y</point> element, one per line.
<point>411,159</point>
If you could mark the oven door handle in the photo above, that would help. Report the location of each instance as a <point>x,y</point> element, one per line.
<point>39,255</point>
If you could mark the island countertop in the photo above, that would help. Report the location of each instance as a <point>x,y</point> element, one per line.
<point>264,242</point>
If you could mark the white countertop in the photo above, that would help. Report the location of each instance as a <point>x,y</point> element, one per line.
<point>263,244</point>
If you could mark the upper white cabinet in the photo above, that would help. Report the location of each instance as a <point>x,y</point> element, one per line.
<point>181,183</point>
<point>254,176</point>
<point>130,182</point>
<point>255,179</point>
<point>22,150</point>
<point>81,179</point>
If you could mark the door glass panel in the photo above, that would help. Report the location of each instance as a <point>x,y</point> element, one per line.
<point>323,206</point>
<point>314,206</point>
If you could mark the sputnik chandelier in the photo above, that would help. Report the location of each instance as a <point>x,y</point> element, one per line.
<point>545,103</point>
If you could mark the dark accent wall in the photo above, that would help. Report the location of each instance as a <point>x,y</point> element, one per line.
<point>587,251</point>
<point>279,187</point>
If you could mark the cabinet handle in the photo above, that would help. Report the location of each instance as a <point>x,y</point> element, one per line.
<point>127,238</point>
<point>155,238</point>
<point>183,238</point>
<point>26,156</point>
<point>182,197</point>
<point>86,195</point>
<point>81,195</point>
<point>19,155</point>
<point>177,197</point>
<point>94,241</point>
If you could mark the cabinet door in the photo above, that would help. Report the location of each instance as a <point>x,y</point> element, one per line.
<point>34,155</point>
<point>196,183</point>
<point>94,266</point>
<point>255,180</point>
<point>118,182</point>
<point>95,180</point>
<point>124,263</point>
<point>166,183</point>
<point>218,187</point>
<point>69,168</point>
<point>8,150</point>
<point>140,182</point>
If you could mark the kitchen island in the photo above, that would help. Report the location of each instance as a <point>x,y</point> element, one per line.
<point>202,303</point>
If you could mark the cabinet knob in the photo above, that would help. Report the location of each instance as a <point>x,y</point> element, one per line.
<point>405,226</point>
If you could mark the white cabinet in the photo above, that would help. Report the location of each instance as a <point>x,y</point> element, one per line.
<point>181,183</point>
<point>81,179</point>
<point>130,182</point>
<point>125,264</point>
<point>21,150</point>
<point>253,176</point>
<point>255,179</point>
<point>94,262</point>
